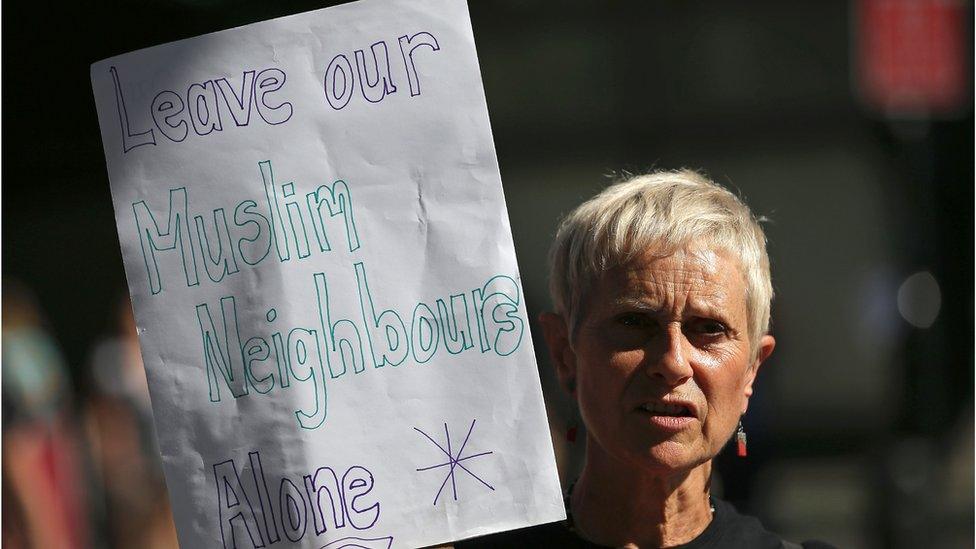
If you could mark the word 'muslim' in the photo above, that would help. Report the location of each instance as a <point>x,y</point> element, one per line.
<point>282,222</point>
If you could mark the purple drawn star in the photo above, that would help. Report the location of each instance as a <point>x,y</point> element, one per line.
<point>453,461</point>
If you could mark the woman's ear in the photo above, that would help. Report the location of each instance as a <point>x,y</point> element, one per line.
<point>766,345</point>
<point>561,353</point>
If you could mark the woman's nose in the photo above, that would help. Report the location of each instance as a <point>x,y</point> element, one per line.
<point>672,358</point>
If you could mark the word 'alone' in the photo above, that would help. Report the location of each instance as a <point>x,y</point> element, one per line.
<point>252,514</point>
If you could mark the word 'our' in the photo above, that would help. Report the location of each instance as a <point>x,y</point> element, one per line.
<point>375,76</point>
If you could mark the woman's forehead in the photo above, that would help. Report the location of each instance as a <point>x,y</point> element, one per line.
<point>708,277</point>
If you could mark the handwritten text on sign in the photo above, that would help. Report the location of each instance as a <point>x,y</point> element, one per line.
<point>332,344</point>
<point>324,282</point>
<point>211,104</point>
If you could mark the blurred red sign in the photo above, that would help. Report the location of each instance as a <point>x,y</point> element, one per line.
<point>911,56</point>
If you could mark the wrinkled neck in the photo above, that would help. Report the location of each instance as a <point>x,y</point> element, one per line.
<point>619,504</point>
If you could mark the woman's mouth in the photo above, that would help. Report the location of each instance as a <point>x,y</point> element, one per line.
<point>667,417</point>
<point>662,409</point>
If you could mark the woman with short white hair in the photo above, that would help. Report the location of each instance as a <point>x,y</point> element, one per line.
<point>662,293</point>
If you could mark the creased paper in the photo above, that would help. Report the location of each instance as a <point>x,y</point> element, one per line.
<point>324,282</point>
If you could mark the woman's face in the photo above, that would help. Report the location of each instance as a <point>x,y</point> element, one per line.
<point>661,364</point>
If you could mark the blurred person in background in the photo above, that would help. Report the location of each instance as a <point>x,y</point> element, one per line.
<point>43,481</point>
<point>134,508</point>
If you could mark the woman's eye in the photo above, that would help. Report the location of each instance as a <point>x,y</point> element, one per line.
<point>710,327</point>
<point>633,320</point>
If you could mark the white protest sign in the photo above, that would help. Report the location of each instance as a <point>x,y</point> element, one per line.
<point>324,282</point>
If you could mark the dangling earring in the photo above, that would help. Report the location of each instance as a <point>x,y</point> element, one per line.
<point>574,416</point>
<point>740,440</point>
<point>571,433</point>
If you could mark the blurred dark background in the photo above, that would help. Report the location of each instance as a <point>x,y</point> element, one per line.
<point>848,124</point>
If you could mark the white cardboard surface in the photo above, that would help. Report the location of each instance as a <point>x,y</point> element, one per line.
<point>324,282</point>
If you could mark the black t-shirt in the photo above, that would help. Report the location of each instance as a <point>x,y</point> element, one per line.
<point>728,530</point>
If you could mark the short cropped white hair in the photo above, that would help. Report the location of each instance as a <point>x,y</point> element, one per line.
<point>663,212</point>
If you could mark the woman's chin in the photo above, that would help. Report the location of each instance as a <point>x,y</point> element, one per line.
<point>670,457</point>
<point>651,451</point>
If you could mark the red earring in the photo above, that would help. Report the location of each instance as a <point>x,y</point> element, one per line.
<point>740,440</point>
<point>574,412</point>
